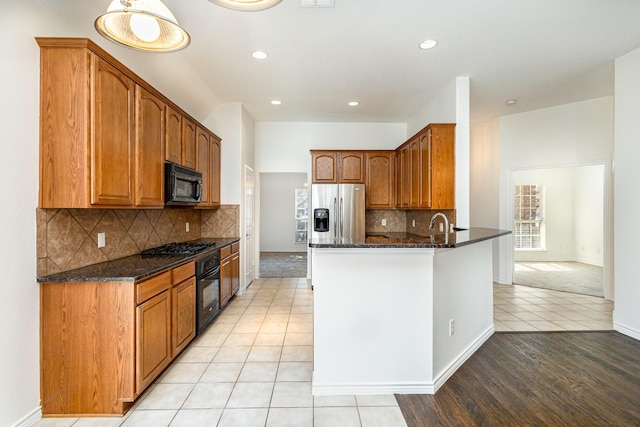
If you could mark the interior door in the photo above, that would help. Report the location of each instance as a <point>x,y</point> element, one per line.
<point>249,185</point>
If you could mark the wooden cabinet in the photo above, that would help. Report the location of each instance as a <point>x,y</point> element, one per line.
<point>173,136</point>
<point>225,275</point>
<point>149,149</point>
<point>235,268</point>
<point>103,343</point>
<point>105,133</point>
<point>380,179</point>
<point>112,101</point>
<point>188,143</point>
<point>208,163</point>
<point>426,169</point>
<point>337,167</point>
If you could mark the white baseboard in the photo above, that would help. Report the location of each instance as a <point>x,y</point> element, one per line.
<point>633,333</point>
<point>404,388</point>
<point>463,357</point>
<point>30,419</point>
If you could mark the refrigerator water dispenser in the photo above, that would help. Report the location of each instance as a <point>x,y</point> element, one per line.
<point>321,219</point>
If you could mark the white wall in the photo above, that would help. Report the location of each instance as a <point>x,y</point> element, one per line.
<point>277,209</point>
<point>577,133</point>
<point>626,315</point>
<point>589,202</point>
<point>20,20</point>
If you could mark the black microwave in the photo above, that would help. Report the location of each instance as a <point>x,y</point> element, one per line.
<point>183,186</point>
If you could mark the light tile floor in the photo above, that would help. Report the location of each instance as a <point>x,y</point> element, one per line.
<point>522,308</point>
<point>251,367</point>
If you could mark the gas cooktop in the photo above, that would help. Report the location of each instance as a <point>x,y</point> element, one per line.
<point>182,248</point>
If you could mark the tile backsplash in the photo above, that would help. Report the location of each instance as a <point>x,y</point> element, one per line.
<point>401,221</point>
<point>68,238</point>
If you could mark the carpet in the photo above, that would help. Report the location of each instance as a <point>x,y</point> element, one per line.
<point>283,264</point>
<point>561,276</point>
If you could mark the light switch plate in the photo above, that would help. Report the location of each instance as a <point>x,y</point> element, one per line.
<point>186,227</point>
<point>101,240</point>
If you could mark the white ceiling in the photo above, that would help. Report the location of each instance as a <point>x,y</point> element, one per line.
<point>540,52</point>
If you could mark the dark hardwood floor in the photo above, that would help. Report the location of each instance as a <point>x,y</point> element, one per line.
<point>538,379</point>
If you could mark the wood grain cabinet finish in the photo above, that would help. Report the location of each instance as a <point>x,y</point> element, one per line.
<point>104,131</point>
<point>149,149</point>
<point>426,169</point>
<point>235,268</point>
<point>380,179</point>
<point>208,163</point>
<point>225,280</point>
<point>229,272</point>
<point>103,343</point>
<point>337,167</point>
<point>173,136</point>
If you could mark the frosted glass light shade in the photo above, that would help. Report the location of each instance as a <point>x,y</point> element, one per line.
<point>246,5</point>
<point>142,24</point>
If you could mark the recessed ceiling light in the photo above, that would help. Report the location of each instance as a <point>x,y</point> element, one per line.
<point>244,5</point>
<point>428,44</point>
<point>258,54</point>
<point>511,101</point>
<point>276,102</point>
<point>353,103</point>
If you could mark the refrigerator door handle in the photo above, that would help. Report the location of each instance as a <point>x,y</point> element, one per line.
<point>341,218</point>
<point>335,218</point>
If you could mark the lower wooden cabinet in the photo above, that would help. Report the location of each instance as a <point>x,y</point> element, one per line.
<point>229,272</point>
<point>103,343</point>
<point>235,268</point>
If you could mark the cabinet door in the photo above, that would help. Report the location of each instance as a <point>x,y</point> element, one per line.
<point>203,164</point>
<point>173,135</point>
<point>380,180</point>
<point>405,160</point>
<point>235,272</point>
<point>442,167</point>
<point>112,137</point>
<point>351,166</point>
<point>425,166</point>
<point>324,167</point>
<point>183,298</point>
<point>188,143</point>
<point>149,150</point>
<point>214,188</point>
<point>153,338</point>
<point>225,281</point>
<point>415,173</point>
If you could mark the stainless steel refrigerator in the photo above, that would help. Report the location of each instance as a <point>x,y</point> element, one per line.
<point>338,212</point>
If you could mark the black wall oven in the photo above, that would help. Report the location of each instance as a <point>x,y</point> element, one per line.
<point>207,290</point>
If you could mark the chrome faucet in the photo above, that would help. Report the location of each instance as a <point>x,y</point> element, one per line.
<point>444,219</point>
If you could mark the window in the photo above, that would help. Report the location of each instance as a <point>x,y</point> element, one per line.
<point>528,214</point>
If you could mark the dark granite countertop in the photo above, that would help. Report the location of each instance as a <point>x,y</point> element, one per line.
<point>131,268</point>
<point>456,239</point>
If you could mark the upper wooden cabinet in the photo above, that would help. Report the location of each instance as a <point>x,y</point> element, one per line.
<point>426,169</point>
<point>188,143</point>
<point>149,149</point>
<point>337,166</point>
<point>173,136</point>
<point>104,132</point>
<point>208,163</point>
<point>380,180</point>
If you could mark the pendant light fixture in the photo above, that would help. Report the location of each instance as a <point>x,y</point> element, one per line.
<point>142,24</point>
<point>246,5</point>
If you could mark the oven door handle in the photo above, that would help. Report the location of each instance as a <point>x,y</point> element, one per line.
<point>211,273</point>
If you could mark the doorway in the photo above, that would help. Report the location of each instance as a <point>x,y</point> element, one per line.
<point>283,224</point>
<point>559,228</point>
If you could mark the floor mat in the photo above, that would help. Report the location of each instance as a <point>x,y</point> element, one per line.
<point>283,264</point>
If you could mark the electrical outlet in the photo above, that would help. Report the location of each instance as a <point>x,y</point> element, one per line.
<point>450,228</point>
<point>441,227</point>
<point>101,240</point>
<point>413,222</point>
<point>186,227</point>
<point>451,327</point>
<point>384,222</point>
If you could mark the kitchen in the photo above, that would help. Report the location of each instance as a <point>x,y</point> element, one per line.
<point>278,147</point>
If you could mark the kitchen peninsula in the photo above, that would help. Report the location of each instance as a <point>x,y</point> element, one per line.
<point>399,313</point>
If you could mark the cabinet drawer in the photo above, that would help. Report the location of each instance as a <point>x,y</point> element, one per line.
<point>225,252</point>
<point>153,286</point>
<point>235,247</point>
<point>183,272</point>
